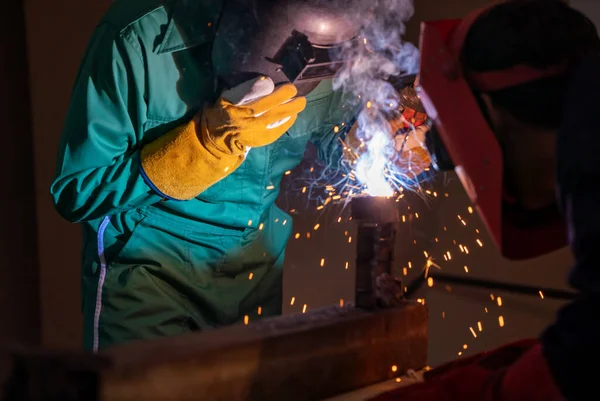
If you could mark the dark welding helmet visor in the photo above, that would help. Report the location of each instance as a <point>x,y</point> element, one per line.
<point>462,138</point>
<point>288,40</point>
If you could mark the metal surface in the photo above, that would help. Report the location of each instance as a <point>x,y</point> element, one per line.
<point>376,218</point>
<point>308,356</point>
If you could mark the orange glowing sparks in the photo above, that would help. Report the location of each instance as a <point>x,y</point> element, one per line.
<point>322,262</point>
<point>347,264</point>
<point>304,308</point>
<point>470,209</point>
<point>249,223</point>
<point>259,311</point>
<point>261,226</point>
<point>473,332</point>
<point>307,235</point>
<point>479,326</point>
<point>349,240</point>
<point>297,235</point>
<point>465,346</point>
<point>316,227</point>
<point>336,129</point>
<point>270,187</point>
<point>246,319</point>
<point>341,302</point>
<point>466,269</point>
<point>430,282</point>
<point>541,295</point>
<point>292,300</point>
<point>250,276</point>
<point>394,368</point>
<point>501,321</point>
<point>499,301</point>
<point>479,242</point>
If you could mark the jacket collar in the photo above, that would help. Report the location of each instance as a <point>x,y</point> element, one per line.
<point>191,23</point>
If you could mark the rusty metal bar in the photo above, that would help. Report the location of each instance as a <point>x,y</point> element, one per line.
<point>308,356</point>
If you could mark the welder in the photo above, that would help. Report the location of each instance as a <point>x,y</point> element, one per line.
<point>514,91</point>
<point>184,118</point>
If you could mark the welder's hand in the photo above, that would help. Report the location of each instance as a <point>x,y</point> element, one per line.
<point>514,372</point>
<point>413,156</point>
<point>254,114</point>
<point>187,160</point>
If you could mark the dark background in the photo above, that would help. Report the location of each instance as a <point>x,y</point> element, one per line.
<point>41,45</point>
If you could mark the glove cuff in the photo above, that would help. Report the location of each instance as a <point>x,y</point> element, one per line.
<point>179,166</point>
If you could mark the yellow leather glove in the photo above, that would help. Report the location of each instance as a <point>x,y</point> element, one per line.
<point>189,159</point>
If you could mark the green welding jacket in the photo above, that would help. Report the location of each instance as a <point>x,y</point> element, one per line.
<point>154,267</point>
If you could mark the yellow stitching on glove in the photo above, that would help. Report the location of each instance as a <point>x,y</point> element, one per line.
<point>181,165</point>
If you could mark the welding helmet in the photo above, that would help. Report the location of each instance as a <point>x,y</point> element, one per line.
<point>287,40</point>
<point>462,138</point>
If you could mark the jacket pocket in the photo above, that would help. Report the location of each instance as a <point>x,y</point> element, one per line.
<point>120,235</point>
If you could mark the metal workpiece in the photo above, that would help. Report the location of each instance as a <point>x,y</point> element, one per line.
<point>299,357</point>
<point>376,219</point>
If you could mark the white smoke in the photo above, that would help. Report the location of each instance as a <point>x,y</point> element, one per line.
<point>379,54</point>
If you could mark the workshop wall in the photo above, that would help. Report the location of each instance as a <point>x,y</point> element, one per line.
<point>19,300</point>
<point>57,33</point>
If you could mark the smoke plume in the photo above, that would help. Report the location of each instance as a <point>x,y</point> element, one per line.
<point>377,55</point>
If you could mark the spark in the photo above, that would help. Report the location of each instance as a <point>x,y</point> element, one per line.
<point>341,302</point>
<point>250,276</point>
<point>246,319</point>
<point>394,368</point>
<point>249,223</point>
<point>470,209</point>
<point>541,295</point>
<point>322,262</point>
<point>479,326</point>
<point>347,264</point>
<point>479,243</point>
<point>259,311</point>
<point>284,222</point>
<point>465,346</point>
<point>316,227</point>
<point>499,301</point>
<point>297,235</point>
<point>430,281</point>
<point>466,269</point>
<point>304,308</point>
<point>270,187</point>
<point>261,226</point>
<point>473,332</point>
<point>288,172</point>
<point>501,321</point>
<point>292,300</point>
<point>349,240</point>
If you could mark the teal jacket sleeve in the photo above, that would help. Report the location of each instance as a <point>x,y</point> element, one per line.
<point>98,161</point>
